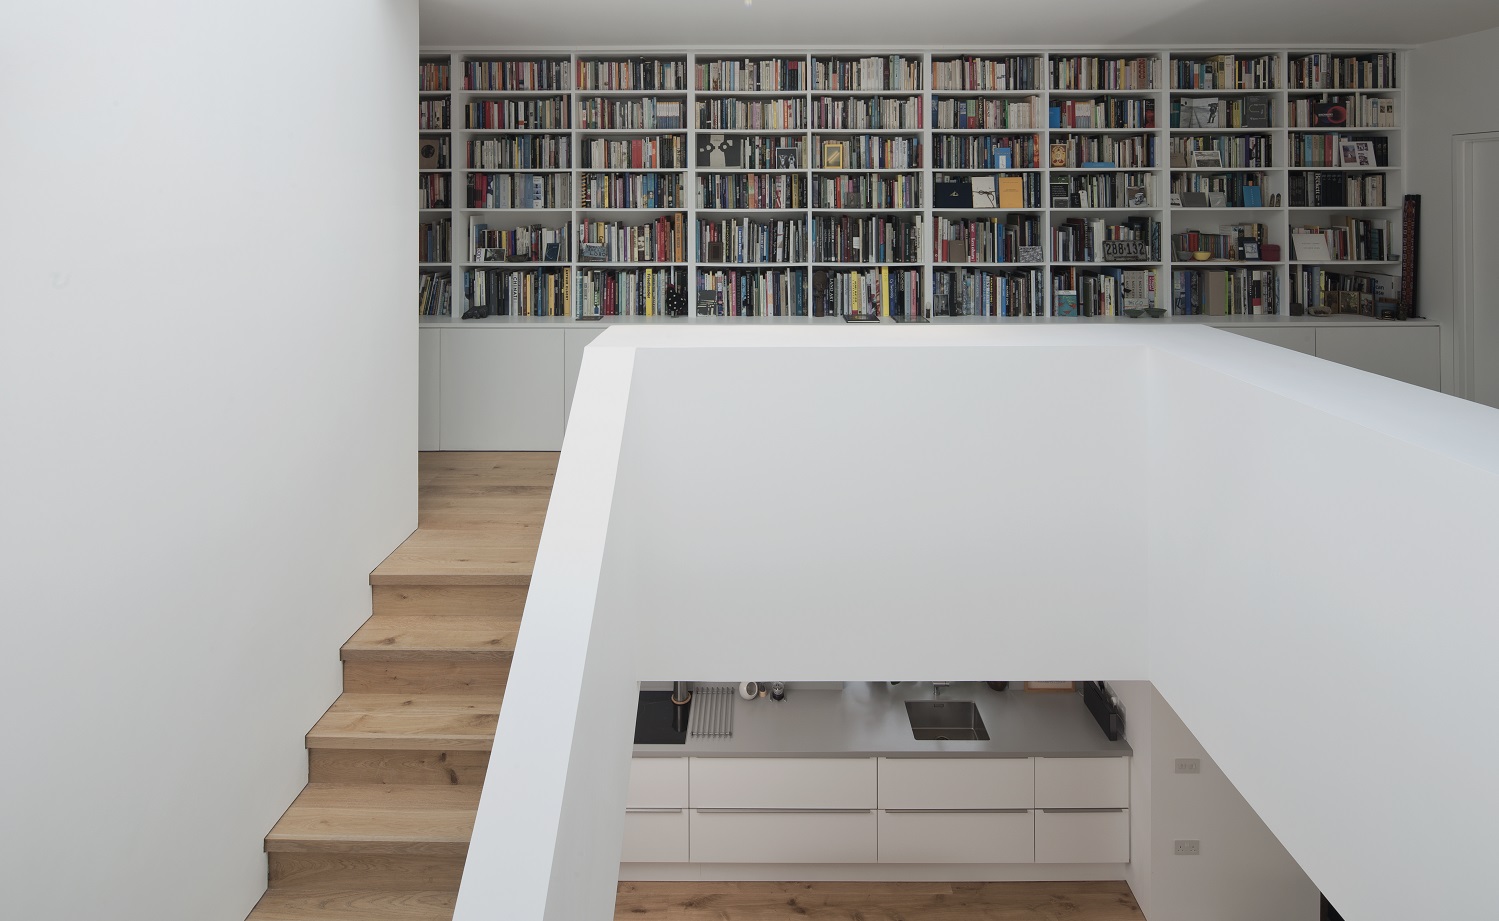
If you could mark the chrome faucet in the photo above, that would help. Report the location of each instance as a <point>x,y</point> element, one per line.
<point>938,687</point>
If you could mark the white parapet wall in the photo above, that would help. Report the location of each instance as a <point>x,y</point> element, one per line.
<point>1291,550</point>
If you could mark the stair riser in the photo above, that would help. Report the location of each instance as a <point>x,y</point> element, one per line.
<point>481,676</point>
<point>386,767</point>
<point>372,871</point>
<point>448,599</point>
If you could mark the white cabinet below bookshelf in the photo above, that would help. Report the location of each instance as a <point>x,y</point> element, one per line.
<point>500,389</point>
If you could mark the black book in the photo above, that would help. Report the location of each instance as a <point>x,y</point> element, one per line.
<point>953,194</point>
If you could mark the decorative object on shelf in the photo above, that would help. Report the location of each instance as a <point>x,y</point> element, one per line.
<point>1269,252</point>
<point>592,252</point>
<point>715,151</point>
<point>676,301</point>
<point>1202,255</point>
<point>1126,251</point>
<point>832,155</point>
<point>1207,159</point>
<point>785,158</point>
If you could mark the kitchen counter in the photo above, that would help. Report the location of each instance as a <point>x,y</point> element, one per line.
<point>869,719</point>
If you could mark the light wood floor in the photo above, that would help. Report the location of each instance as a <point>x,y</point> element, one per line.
<point>1078,901</point>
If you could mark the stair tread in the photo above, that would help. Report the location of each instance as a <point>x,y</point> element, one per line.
<point>378,818</point>
<point>414,636</point>
<point>409,721</point>
<point>455,556</point>
<point>355,905</point>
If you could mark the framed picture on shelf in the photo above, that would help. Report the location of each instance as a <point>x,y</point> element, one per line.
<point>1249,251</point>
<point>593,252</point>
<point>832,155</point>
<point>1136,196</point>
<point>1205,112</point>
<point>1207,159</point>
<point>1217,199</point>
<point>785,158</point>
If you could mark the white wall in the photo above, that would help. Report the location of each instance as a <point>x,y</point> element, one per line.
<point>207,395</point>
<point>1451,93</point>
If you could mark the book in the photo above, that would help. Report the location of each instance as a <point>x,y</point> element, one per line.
<point>1059,155</point>
<point>1011,192</point>
<point>1310,247</point>
<point>952,194</point>
<point>985,194</point>
<point>1256,111</point>
<point>1066,303</point>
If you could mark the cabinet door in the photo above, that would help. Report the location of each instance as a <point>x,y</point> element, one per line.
<point>1407,353</point>
<point>655,836</point>
<point>1295,338</point>
<point>501,390</point>
<point>956,783</point>
<point>1082,836</point>
<point>657,783</point>
<point>956,837</point>
<point>783,837</point>
<point>577,340</point>
<point>428,389</point>
<point>783,783</point>
<point>1082,783</point>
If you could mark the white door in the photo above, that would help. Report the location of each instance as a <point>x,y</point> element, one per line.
<point>1477,253</point>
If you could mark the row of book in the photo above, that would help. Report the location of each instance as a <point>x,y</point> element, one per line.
<point>752,241</point>
<point>1014,72</point>
<point>1086,72</point>
<point>881,292</point>
<point>1079,292</point>
<point>434,190</point>
<point>999,113</point>
<point>870,152</point>
<point>866,191</point>
<point>633,74</point>
<point>987,152</point>
<point>720,151</point>
<point>1317,291</point>
<point>764,293</point>
<point>1336,190</point>
<point>893,72</point>
<point>1224,72</point>
<point>1225,246</point>
<point>520,151</point>
<point>751,75</point>
<point>433,295</point>
<point>519,190</point>
<point>434,241</point>
<point>1225,292</point>
<point>433,114</point>
<point>665,152</point>
<point>535,243</point>
<point>1102,190</point>
<point>1250,151</point>
<point>988,293</point>
<point>751,115</point>
<point>1334,148</point>
<point>1079,239</point>
<point>631,190</point>
<point>1219,190</point>
<point>866,238</point>
<point>516,114</point>
<point>661,240</point>
<point>1342,111</point>
<point>1015,238</point>
<point>1104,151</point>
<point>434,77</point>
<point>1252,111</point>
<point>1345,238</point>
<point>442,152</point>
<point>523,76</point>
<point>608,113</point>
<point>765,190</point>
<point>876,113</point>
<point>1003,191</point>
<point>1105,112</point>
<point>1322,71</point>
<point>526,293</point>
<point>627,293</point>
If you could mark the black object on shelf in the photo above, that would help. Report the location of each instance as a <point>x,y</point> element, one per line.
<point>658,721</point>
<point>904,319</point>
<point>861,318</point>
<point>589,316</point>
<point>1110,720</point>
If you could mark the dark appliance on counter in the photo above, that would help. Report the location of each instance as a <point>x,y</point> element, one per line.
<point>1100,704</point>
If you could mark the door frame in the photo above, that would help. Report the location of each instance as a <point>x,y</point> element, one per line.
<point>1466,265</point>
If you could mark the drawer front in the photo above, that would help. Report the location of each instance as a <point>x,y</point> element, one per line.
<point>783,837</point>
<point>655,837</point>
<point>783,783</point>
<point>957,837</point>
<point>1083,836</point>
<point>658,782</point>
<point>1082,783</point>
<point>956,783</point>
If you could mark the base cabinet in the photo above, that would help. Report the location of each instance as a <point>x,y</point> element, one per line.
<point>783,837</point>
<point>1082,835</point>
<point>655,836</point>
<point>999,836</point>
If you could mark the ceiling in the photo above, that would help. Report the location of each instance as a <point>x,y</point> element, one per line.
<point>831,24</point>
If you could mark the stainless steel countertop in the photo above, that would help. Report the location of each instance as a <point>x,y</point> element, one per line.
<point>869,718</point>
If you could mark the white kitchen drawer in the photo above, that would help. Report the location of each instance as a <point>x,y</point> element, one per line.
<point>1082,836</point>
<point>1082,783</point>
<point>956,783</point>
<point>656,836</point>
<point>783,783</point>
<point>657,782</point>
<point>957,837</point>
<point>783,837</point>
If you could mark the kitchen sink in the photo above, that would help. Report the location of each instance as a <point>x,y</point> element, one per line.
<point>946,720</point>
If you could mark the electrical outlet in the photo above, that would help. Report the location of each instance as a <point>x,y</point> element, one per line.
<point>1188,847</point>
<point>1189,765</point>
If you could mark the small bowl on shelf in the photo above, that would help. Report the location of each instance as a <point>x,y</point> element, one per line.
<point>1202,256</point>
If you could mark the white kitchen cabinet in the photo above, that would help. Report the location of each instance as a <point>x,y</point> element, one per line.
<point>804,836</point>
<point>783,783</point>
<point>577,340</point>
<point>1082,835</point>
<point>500,390</point>
<point>956,836</point>
<point>956,783</point>
<point>1407,353</point>
<point>657,782</point>
<point>428,389</point>
<point>655,836</point>
<point>1296,338</point>
<point>1082,783</point>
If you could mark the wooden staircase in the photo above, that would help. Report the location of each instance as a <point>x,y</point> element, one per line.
<point>396,764</point>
